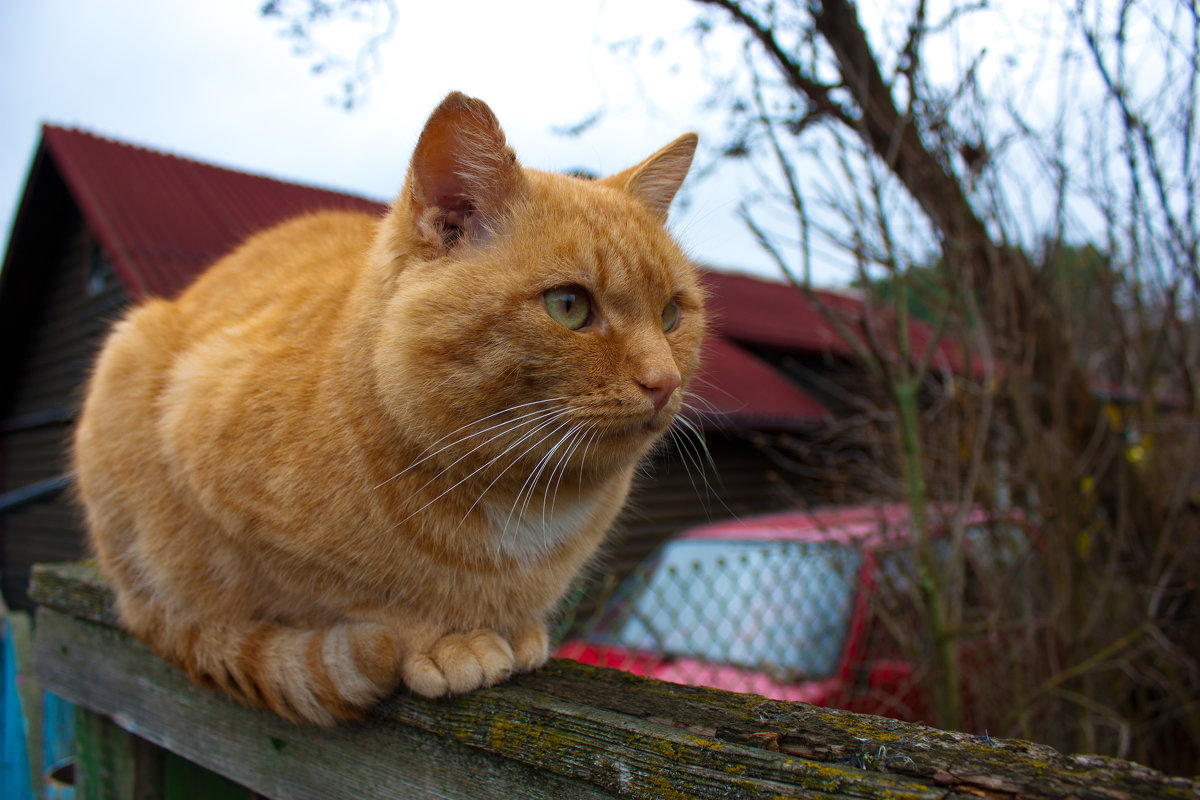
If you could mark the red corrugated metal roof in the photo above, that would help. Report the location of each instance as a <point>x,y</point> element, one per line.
<point>163,219</point>
<point>734,385</point>
<point>777,315</point>
<point>781,316</point>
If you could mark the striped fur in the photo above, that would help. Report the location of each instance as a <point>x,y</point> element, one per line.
<point>359,453</point>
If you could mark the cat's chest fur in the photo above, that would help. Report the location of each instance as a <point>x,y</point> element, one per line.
<point>530,534</point>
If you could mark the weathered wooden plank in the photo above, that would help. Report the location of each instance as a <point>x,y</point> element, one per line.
<point>101,669</point>
<point>565,731</point>
<point>78,588</point>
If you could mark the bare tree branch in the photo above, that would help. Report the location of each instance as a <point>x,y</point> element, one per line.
<point>817,93</point>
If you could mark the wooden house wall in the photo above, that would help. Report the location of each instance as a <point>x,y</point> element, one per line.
<point>674,493</point>
<point>67,308</point>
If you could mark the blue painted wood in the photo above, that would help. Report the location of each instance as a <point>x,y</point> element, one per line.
<point>58,747</point>
<point>14,754</point>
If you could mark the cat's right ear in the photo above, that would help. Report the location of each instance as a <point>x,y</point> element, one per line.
<point>656,180</point>
<point>462,174</point>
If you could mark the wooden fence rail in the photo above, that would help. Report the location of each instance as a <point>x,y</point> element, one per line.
<point>567,731</point>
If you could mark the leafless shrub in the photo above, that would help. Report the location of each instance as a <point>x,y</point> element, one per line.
<point>1058,255</point>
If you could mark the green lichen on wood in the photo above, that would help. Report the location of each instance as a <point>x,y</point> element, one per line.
<point>615,733</point>
<point>79,588</point>
<point>662,788</point>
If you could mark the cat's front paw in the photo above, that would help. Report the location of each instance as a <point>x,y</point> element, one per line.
<point>459,663</point>
<point>531,648</point>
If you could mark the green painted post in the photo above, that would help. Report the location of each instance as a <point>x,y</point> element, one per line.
<point>112,764</point>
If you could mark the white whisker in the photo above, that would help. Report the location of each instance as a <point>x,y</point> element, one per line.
<point>430,454</point>
<point>540,417</point>
<point>698,435</point>
<point>530,485</point>
<point>516,460</point>
<point>583,458</point>
<point>702,405</point>
<point>691,444</point>
<point>576,435</point>
<point>546,418</point>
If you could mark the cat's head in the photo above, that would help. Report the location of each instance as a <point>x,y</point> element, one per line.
<point>528,313</point>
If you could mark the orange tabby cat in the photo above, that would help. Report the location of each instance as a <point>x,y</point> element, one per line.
<point>359,452</point>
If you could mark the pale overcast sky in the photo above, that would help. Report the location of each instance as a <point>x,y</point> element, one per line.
<point>217,82</point>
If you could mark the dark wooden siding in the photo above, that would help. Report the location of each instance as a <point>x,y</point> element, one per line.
<point>68,305</point>
<point>673,494</point>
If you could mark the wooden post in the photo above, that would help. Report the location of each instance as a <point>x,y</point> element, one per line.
<point>567,731</point>
<point>114,764</point>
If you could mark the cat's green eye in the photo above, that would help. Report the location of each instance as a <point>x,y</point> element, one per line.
<point>569,306</point>
<point>670,317</point>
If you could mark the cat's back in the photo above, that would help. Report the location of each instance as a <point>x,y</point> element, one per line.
<point>268,306</point>
<point>285,284</point>
<point>294,271</point>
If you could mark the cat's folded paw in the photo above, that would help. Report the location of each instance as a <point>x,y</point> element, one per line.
<point>531,648</point>
<point>460,663</point>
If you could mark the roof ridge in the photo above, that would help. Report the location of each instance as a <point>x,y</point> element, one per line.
<point>161,216</point>
<point>199,161</point>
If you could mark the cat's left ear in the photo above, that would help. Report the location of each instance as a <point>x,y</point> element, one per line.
<point>656,180</point>
<point>462,174</point>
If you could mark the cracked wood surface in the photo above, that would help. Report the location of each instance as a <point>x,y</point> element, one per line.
<point>568,730</point>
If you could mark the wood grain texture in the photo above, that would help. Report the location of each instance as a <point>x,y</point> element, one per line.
<point>566,731</point>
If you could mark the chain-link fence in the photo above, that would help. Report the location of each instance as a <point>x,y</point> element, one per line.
<point>823,608</point>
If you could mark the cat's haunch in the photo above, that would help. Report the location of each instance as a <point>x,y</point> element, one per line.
<point>362,452</point>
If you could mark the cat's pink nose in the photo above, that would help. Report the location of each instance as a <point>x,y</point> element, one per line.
<point>660,385</point>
